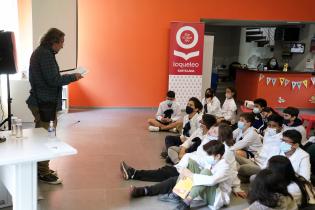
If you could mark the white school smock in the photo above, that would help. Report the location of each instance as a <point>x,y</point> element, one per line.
<point>163,107</point>
<point>199,157</point>
<point>271,147</point>
<point>214,106</point>
<point>194,122</point>
<point>299,128</point>
<point>188,143</point>
<point>249,140</point>
<point>223,177</point>
<point>300,161</point>
<point>228,110</point>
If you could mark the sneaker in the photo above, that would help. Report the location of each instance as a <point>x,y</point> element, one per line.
<point>127,171</point>
<point>172,198</point>
<point>169,161</point>
<point>53,172</point>
<point>164,155</point>
<point>173,130</point>
<point>153,128</point>
<point>50,179</point>
<point>182,206</point>
<point>136,192</point>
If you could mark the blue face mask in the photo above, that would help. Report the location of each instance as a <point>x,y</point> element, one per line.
<point>210,160</point>
<point>169,103</point>
<point>240,125</point>
<point>256,110</point>
<point>285,147</point>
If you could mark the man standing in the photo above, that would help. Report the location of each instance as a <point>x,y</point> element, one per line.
<point>46,89</point>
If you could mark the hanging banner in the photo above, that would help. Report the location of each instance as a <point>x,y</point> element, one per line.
<point>185,60</point>
<point>281,80</point>
<point>286,82</point>
<point>273,80</point>
<point>293,84</point>
<point>268,80</point>
<point>305,83</point>
<point>261,76</point>
<point>299,85</point>
<point>313,80</point>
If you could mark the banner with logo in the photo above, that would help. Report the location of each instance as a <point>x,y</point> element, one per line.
<point>185,60</point>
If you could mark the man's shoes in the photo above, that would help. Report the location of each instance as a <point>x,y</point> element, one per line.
<point>173,130</point>
<point>127,171</point>
<point>53,172</point>
<point>50,179</point>
<point>136,192</point>
<point>153,128</point>
<point>169,161</point>
<point>182,206</point>
<point>171,197</point>
<point>164,155</point>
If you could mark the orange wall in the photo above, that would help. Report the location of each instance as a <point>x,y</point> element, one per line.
<point>124,43</point>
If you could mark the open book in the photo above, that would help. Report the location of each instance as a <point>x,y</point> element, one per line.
<point>183,187</point>
<point>81,70</point>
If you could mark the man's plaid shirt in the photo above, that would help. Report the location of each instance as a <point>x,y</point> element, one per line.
<point>44,76</point>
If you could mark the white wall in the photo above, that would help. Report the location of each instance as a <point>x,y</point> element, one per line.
<point>249,50</point>
<point>226,44</point>
<point>297,61</point>
<point>60,14</point>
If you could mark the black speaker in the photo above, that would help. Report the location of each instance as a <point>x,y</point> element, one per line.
<point>7,53</point>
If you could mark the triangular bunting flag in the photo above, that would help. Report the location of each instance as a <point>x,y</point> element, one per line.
<point>261,76</point>
<point>286,82</point>
<point>313,80</point>
<point>299,84</point>
<point>268,80</point>
<point>305,83</point>
<point>273,80</point>
<point>293,85</point>
<point>281,80</point>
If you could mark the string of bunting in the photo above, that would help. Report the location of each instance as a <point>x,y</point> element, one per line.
<point>284,82</point>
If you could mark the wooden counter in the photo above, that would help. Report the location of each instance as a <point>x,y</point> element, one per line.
<point>252,84</point>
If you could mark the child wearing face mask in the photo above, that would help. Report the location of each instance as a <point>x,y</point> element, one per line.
<point>175,153</point>
<point>168,116</point>
<point>291,121</point>
<point>290,147</point>
<point>229,108</point>
<point>212,182</point>
<point>271,147</point>
<point>190,125</point>
<point>259,104</point>
<point>266,112</point>
<point>211,104</point>
<point>247,140</point>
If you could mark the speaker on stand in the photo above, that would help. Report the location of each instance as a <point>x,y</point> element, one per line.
<point>7,65</point>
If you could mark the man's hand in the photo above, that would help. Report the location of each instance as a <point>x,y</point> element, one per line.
<point>78,76</point>
<point>240,194</point>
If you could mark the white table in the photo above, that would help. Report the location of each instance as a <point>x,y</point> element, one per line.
<point>18,163</point>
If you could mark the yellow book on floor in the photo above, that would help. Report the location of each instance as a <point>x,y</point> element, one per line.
<point>183,187</point>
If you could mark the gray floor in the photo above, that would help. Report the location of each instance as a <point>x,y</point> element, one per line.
<point>92,179</point>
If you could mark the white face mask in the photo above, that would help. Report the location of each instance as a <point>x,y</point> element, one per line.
<point>228,95</point>
<point>273,63</point>
<point>270,132</point>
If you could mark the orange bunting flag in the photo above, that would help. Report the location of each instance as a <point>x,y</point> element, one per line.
<point>281,80</point>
